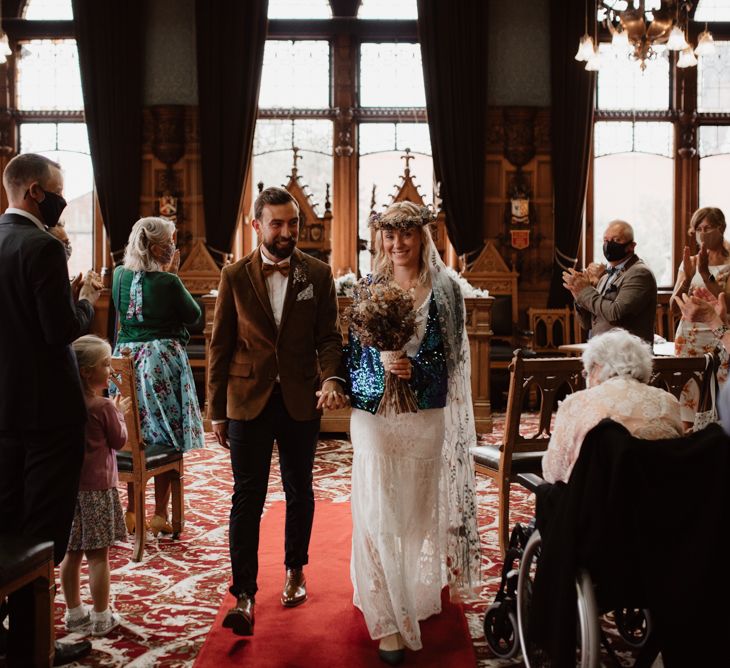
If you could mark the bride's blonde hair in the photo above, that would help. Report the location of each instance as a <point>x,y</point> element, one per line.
<point>382,264</point>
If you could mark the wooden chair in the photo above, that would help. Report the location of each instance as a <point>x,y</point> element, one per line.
<point>673,373</point>
<point>23,562</point>
<point>552,328</point>
<point>518,453</point>
<point>136,465</point>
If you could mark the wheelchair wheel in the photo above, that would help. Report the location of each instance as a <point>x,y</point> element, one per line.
<point>588,632</point>
<point>528,565</point>
<point>634,626</point>
<point>500,630</point>
<point>589,629</point>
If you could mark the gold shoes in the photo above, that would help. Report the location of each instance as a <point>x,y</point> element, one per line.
<point>160,524</point>
<point>129,521</point>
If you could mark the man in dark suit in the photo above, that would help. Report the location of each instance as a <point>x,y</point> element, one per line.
<point>275,335</point>
<point>42,410</point>
<point>626,293</point>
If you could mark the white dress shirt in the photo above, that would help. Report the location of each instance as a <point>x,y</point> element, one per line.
<point>29,216</point>
<point>276,284</point>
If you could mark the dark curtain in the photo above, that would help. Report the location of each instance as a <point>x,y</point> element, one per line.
<point>230,48</point>
<point>573,93</point>
<point>454,53</point>
<point>110,38</point>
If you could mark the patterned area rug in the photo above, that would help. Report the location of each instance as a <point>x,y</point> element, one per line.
<point>170,599</point>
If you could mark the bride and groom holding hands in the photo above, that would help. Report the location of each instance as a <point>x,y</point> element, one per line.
<point>276,360</point>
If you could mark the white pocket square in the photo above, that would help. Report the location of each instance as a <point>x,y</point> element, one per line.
<point>307,293</point>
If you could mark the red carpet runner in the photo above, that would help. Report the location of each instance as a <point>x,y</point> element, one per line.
<point>326,631</point>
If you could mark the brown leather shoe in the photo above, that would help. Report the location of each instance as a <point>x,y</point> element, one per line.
<point>295,588</point>
<point>240,617</point>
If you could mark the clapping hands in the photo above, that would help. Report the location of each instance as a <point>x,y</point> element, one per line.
<point>703,307</point>
<point>88,288</point>
<point>122,404</point>
<point>575,281</point>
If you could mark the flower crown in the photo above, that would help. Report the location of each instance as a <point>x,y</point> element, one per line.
<point>401,220</point>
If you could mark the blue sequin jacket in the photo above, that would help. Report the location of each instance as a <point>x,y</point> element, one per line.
<point>428,379</point>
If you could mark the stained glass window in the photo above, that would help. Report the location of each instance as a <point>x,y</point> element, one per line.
<point>713,79</point>
<point>713,10</point>
<point>68,144</point>
<point>623,85</point>
<point>626,136</point>
<point>48,10</point>
<point>299,9</point>
<point>382,147</point>
<point>714,150</point>
<point>49,76</point>
<point>388,9</point>
<point>273,154</point>
<point>634,184</point>
<point>295,75</point>
<point>391,75</point>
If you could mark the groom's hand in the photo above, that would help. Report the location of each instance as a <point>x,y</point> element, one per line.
<point>220,429</point>
<point>331,396</point>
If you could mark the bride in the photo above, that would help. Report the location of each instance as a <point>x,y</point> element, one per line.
<point>413,502</point>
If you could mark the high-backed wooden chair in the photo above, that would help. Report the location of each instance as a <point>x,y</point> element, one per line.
<point>518,453</point>
<point>673,373</point>
<point>137,463</point>
<point>552,328</point>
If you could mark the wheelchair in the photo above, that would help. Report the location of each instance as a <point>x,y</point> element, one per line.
<point>506,622</point>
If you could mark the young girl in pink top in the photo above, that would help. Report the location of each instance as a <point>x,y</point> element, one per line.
<point>98,519</point>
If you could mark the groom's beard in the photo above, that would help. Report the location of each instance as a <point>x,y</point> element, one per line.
<point>281,248</point>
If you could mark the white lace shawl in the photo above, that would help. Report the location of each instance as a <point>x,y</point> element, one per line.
<point>457,493</point>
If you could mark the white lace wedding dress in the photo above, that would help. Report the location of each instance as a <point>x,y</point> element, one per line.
<point>398,535</point>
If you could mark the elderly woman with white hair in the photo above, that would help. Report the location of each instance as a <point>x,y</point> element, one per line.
<point>617,367</point>
<point>154,306</point>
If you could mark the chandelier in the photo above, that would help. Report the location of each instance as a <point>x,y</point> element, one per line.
<point>638,26</point>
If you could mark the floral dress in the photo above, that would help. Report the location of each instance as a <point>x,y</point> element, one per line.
<point>168,404</point>
<point>693,339</point>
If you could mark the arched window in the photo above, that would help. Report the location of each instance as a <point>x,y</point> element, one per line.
<point>49,113</point>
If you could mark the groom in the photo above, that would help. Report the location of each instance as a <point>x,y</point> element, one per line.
<point>275,334</point>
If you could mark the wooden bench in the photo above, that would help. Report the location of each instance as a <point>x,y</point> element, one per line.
<point>25,562</point>
<point>518,453</point>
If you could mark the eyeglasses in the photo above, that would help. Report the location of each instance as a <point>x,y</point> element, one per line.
<point>704,229</point>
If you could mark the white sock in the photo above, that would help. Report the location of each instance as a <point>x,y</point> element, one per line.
<point>101,616</point>
<point>76,613</point>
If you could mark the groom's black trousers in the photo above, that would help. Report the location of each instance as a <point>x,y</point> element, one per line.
<point>252,443</point>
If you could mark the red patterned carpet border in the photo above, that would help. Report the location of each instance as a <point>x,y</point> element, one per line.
<point>170,599</point>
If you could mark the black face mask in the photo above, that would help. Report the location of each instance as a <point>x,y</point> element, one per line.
<point>614,251</point>
<point>51,208</point>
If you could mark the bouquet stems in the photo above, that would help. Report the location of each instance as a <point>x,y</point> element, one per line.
<point>398,396</point>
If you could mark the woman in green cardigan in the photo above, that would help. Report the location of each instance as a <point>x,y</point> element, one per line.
<point>154,306</point>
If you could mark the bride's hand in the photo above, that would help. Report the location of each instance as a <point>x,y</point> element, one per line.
<point>401,368</point>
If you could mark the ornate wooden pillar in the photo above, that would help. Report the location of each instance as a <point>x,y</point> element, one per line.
<point>8,129</point>
<point>344,210</point>
<point>687,169</point>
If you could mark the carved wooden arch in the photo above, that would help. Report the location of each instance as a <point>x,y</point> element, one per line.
<point>315,231</point>
<point>408,192</point>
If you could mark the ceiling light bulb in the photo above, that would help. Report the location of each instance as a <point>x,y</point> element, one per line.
<point>594,62</point>
<point>687,58</point>
<point>676,41</point>
<point>585,48</point>
<point>705,44</point>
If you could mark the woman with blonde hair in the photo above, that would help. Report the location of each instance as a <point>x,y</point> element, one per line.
<point>413,503</point>
<point>709,269</point>
<point>154,306</point>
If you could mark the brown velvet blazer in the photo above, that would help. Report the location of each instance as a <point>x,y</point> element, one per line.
<point>247,352</point>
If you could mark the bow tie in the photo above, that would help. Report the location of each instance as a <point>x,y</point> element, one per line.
<point>612,270</point>
<point>282,268</point>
